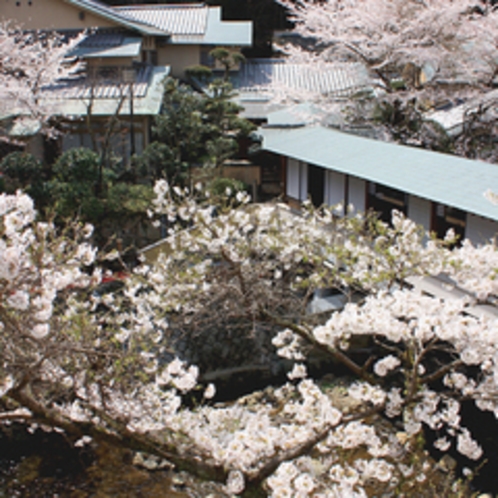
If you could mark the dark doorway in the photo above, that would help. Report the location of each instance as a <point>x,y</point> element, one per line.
<point>51,150</point>
<point>316,182</point>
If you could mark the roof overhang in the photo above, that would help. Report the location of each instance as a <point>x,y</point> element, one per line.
<point>147,104</point>
<point>443,178</point>
<point>128,47</point>
<point>23,127</point>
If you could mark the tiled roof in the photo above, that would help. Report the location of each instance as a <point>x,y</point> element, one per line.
<point>262,84</point>
<point>114,15</point>
<point>181,23</point>
<point>102,88</point>
<point>335,79</point>
<point>102,39</point>
<point>111,98</point>
<point>108,44</point>
<point>191,24</point>
<point>173,19</point>
<point>444,178</point>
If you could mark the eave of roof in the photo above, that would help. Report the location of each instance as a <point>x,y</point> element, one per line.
<point>443,178</point>
<point>452,119</point>
<point>147,98</point>
<point>129,47</point>
<point>23,127</point>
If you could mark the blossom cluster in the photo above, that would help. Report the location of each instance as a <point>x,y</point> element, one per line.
<point>32,64</point>
<point>113,359</point>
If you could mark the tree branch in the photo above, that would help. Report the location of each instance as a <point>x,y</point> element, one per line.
<point>335,353</point>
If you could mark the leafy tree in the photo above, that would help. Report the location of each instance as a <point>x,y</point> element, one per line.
<point>225,192</point>
<point>113,209</point>
<point>199,72</point>
<point>193,130</point>
<point>227,59</point>
<point>223,125</point>
<point>23,171</point>
<point>179,134</point>
<point>76,174</point>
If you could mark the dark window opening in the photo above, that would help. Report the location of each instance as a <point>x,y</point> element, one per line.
<point>446,217</point>
<point>206,58</point>
<point>383,200</point>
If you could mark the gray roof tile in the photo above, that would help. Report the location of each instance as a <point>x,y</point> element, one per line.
<point>336,79</point>
<point>173,19</point>
<point>102,88</point>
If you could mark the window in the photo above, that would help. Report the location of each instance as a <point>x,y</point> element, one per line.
<point>446,217</point>
<point>383,200</point>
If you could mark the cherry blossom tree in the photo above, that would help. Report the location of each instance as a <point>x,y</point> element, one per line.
<point>31,62</point>
<point>421,55</point>
<point>99,365</point>
<point>458,39</point>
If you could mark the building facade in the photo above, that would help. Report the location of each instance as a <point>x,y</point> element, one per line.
<point>438,191</point>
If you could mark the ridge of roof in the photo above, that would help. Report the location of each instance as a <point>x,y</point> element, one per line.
<point>114,15</point>
<point>168,6</point>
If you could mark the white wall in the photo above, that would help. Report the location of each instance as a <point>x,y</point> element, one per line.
<point>356,193</point>
<point>297,180</point>
<point>335,190</point>
<point>292,187</point>
<point>480,230</point>
<point>303,190</point>
<point>419,210</point>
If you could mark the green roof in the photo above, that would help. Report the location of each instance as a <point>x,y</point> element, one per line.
<point>447,179</point>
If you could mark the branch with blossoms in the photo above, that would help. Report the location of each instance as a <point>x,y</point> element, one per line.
<point>32,63</point>
<point>393,35</point>
<point>417,54</point>
<point>119,366</point>
<point>418,326</point>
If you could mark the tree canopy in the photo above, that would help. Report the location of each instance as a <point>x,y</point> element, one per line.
<point>193,130</point>
<point>117,366</point>
<point>422,55</point>
<point>31,62</point>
